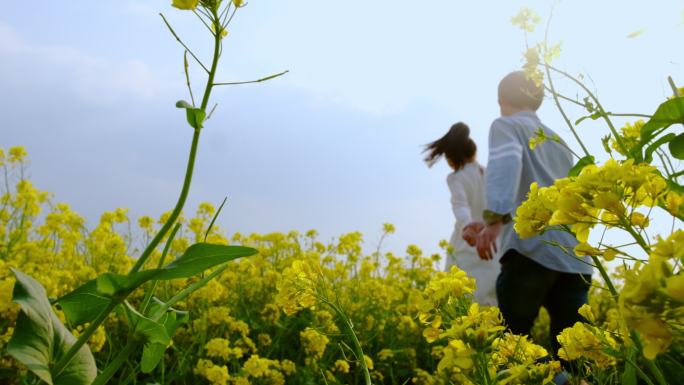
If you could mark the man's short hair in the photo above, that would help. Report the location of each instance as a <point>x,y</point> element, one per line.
<point>517,90</point>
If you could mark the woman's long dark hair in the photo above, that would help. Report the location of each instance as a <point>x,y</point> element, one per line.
<point>455,145</point>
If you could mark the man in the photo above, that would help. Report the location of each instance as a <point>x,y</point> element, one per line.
<point>534,272</point>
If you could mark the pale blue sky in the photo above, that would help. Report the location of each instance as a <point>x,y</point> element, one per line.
<point>89,88</point>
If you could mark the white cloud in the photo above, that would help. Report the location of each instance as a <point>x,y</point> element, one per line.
<point>97,80</point>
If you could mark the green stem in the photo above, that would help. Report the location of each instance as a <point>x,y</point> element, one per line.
<point>599,106</point>
<point>153,286</point>
<point>637,237</point>
<point>650,364</point>
<point>640,372</point>
<point>562,111</point>
<point>214,62</point>
<point>656,372</point>
<point>605,276</point>
<point>191,161</point>
<point>355,341</point>
<point>62,363</point>
<point>113,366</point>
<point>176,211</point>
<point>677,174</point>
<point>186,292</point>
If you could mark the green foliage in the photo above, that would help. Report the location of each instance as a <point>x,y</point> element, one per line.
<point>194,116</point>
<point>83,304</point>
<point>581,164</point>
<point>40,339</point>
<point>667,114</point>
<point>677,146</point>
<point>196,259</point>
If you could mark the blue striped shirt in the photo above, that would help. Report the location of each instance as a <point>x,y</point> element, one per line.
<point>511,168</point>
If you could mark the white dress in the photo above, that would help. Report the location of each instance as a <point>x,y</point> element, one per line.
<point>467,186</point>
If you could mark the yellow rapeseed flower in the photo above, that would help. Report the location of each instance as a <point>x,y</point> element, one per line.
<point>185,4</point>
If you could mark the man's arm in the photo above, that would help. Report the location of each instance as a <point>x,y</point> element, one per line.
<point>502,179</point>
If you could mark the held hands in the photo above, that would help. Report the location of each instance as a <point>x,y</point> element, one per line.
<point>486,241</point>
<point>470,232</point>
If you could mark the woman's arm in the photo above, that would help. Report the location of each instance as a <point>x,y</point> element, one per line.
<point>459,200</point>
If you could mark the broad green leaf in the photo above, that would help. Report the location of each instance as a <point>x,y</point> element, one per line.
<point>677,146</point>
<point>668,113</point>
<point>195,117</point>
<point>653,147</point>
<point>84,304</point>
<point>40,339</point>
<point>111,284</point>
<point>151,356</point>
<point>196,259</point>
<point>152,331</point>
<point>202,256</point>
<point>154,334</point>
<point>580,165</point>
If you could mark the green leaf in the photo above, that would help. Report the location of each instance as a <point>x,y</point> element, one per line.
<point>110,284</point>
<point>651,148</point>
<point>668,113</point>
<point>580,165</point>
<point>594,116</point>
<point>155,335</point>
<point>84,304</point>
<point>196,259</point>
<point>151,356</point>
<point>677,146</point>
<point>184,104</point>
<point>202,256</point>
<point>40,339</point>
<point>171,319</point>
<point>629,375</point>
<point>195,116</point>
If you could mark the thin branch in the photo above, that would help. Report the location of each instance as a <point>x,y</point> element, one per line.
<point>675,90</point>
<point>599,106</point>
<point>253,81</point>
<point>205,13</point>
<point>211,224</point>
<point>212,111</point>
<point>630,115</point>
<point>566,98</point>
<point>183,44</point>
<point>562,111</point>
<point>225,10</point>
<point>225,23</point>
<point>202,20</point>
<point>187,76</point>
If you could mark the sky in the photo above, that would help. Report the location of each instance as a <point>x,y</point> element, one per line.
<point>89,87</point>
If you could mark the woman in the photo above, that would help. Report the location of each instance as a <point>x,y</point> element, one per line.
<point>467,186</point>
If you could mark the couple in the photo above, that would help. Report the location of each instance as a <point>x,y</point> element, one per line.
<point>533,272</point>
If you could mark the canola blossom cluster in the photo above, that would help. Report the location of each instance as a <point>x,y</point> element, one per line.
<point>470,341</point>
<point>651,301</point>
<point>609,195</point>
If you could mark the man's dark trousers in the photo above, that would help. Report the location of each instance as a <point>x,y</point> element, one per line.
<point>523,286</point>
